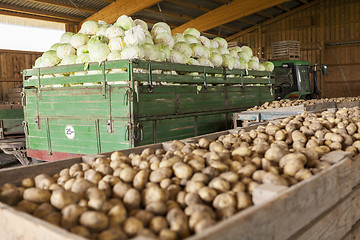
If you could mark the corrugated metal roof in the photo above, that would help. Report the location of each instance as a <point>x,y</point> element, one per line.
<point>174,12</point>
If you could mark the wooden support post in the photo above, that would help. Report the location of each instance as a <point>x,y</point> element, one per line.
<point>322,47</point>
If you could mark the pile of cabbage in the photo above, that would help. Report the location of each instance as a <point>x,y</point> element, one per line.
<point>132,39</point>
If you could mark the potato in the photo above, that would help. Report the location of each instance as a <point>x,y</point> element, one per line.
<point>112,234</point>
<point>292,166</point>
<point>28,183</point>
<point>95,221</point>
<point>225,213</point>
<point>182,170</point>
<point>92,176</point>
<point>153,194</point>
<point>157,224</point>
<point>219,184</point>
<point>224,200</point>
<point>132,198</point>
<point>132,225</point>
<point>117,215</point>
<point>204,143</point>
<point>96,198</point>
<point>53,218</point>
<point>81,185</point>
<point>246,171</point>
<point>37,195</point>
<point>70,215</point>
<point>168,234</point>
<point>43,210</point>
<point>303,174</point>
<point>27,206</point>
<point>43,181</point>
<point>243,200</point>
<point>197,217</point>
<point>80,230</point>
<point>60,198</point>
<point>204,224</point>
<point>272,178</point>
<point>10,196</point>
<point>242,151</point>
<point>159,174</point>
<point>143,215</point>
<point>285,159</point>
<point>178,222</point>
<point>275,153</point>
<point>120,189</point>
<point>298,136</point>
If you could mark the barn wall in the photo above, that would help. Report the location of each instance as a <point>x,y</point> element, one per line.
<point>11,65</point>
<point>329,32</point>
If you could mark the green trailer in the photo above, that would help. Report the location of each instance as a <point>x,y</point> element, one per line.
<point>11,118</point>
<point>122,104</point>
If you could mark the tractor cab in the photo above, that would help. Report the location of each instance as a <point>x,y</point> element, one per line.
<point>292,80</point>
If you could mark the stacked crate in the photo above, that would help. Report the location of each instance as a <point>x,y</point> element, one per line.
<point>285,50</point>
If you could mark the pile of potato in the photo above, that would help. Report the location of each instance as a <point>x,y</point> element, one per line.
<point>185,188</point>
<point>290,103</point>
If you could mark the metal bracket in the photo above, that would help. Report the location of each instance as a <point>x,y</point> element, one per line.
<point>48,137</point>
<point>151,87</point>
<point>110,126</point>
<point>242,89</point>
<point>104,83</point>
<point>205,83</point>
<point>22,98</point>
<point>2,130</point>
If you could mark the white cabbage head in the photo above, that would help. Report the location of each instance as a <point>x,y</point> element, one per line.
<point>160,27</point>
<point>69,59</point>
<point>221,41</point>
<point>205,41</point>
<point>135,36</point>
<point>82,49</point>
<point>89,28</point>
<point>49,59</point>
<point>192,31</point>
<point>78,40</point>
<point>98,52</point>
<point>116,43</point>
<point>184,48</point>
<point>65,49</point>
<point>114,55</point>
<point>130,52</point>
<point>269,66</point>
<point>178,37</point>
<point>141,23</point>
<point>216,59</point>
<point>124,22</point>
<point>65,37</point>
<point>164,38</point>
<point>114,31</point>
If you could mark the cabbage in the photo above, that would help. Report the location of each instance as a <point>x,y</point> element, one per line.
<point>102,23</point>
<point>228,61</point>
<point>269,66</point>
<point>116,43</point>
<point>248,50</point>
<point>214,50</point>
<point>178,37</point>
<point>205,62</point>
<point>177,57</point>
<point>254,58</point>
<point>141,23</point>
<point>216,59</point>
<point>78,40</point>
<point>221,41</point>
<point>164,38</point>
<point>261,67</point>
<point>69,59</point>
<point>190,39</point>
<point>164,51</point>
<point>55,46</point>
<point>160,27</point>
<point>82,49</point>
<point>114,55</point>
<point>65,37</point>
<point>193,61</point>
<point>223,50</point>
<point>192,31</point>
<point>236,63</point>
<point>149,52</point>
<point>89,28</point>
<point>130,52</point>
<point>214,44</point>
<point>114,31</point>
<point>83,58</point>
<point>149,40</point>
<point>233,53</point>
<point>184,48</point>
<point>236,48</point>
<point>98,52</point>
<point>38,63</point>
<point>199,51</point>
<point>244,55</point>
<point>96,39</point>
<point>64,50</point>
<point>253,65</point>
<point>205,41</point>
<point>243,64</point>
<point>49,59</point>
<point>135,36</point>
<point>124,22</point>
<point>102,30</point>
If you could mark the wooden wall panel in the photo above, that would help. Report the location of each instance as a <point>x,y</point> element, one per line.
<point>341,24</point>
<point>11,65</point>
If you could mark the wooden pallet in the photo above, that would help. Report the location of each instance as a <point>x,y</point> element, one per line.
<point>324,206</point>
<point>285,50</point>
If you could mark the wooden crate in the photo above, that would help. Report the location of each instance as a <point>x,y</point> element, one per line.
<point>285,50</point>
<point>325,206</point>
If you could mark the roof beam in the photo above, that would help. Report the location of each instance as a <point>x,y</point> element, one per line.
<point>109,1</point>
<point>227,13</point>
<point>189,5</point>
<point>283,8</point>
<point>246,21</point>
<point>275,19</point>
<point>34,12</point>
<point>303,1</point>
<point>25,15</point>
<point>264,14</point>
<point>114,10</point>
<point>65,5</point>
